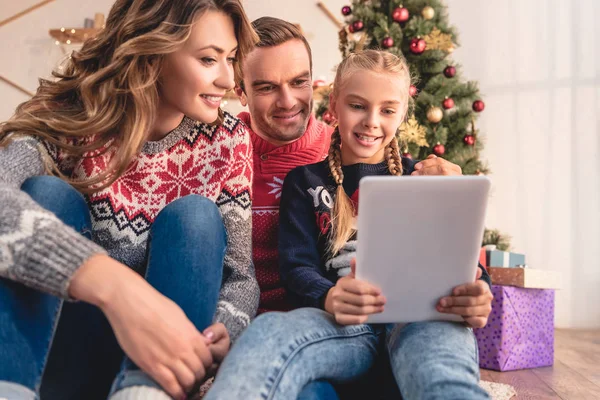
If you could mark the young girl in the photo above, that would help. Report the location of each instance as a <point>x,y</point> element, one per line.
<point>133,123</point>
<point>317,240</point>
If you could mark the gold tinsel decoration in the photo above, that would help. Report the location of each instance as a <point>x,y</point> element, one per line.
<point>437,40</point>
<point>411,132</point>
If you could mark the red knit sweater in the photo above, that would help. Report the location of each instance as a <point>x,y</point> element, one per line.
<point>271,165</point>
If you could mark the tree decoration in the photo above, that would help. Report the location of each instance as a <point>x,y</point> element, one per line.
<point>418,45</point>
<point>387,42</point>
<point>411,132</point>
<point>435,114</point>
<point>358,26</point>
<point>400,14</point>
<point>469,140</point>
<point>428,12</point>
<point>448,103</point>
<point>478,105</point>
<point>449,71</point>
<point>412,91</point>
<point>437,40</point>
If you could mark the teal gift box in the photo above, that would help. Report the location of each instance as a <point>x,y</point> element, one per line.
<point>497,258</point>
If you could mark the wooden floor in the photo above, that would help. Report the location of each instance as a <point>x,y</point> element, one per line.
<point>574,376</point>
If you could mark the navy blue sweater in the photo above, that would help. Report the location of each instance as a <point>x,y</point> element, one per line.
<point>308,194</point>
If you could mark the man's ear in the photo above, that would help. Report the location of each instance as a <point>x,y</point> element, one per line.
<point>242,96</point>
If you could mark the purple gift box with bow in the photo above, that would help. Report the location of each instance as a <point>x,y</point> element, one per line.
<point>520,330</point>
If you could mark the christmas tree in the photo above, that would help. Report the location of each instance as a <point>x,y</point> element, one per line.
<point>443,110</point>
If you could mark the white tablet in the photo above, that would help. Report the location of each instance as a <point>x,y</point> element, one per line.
<point>418,238</point>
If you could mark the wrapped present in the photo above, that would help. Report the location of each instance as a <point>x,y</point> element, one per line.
<point>483,258</point>
<point>520,330</point>
<point>525,277</point>
<point>507,259</point>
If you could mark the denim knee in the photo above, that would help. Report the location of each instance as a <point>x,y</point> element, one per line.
<point>194,217</point>
<point>62,199</point>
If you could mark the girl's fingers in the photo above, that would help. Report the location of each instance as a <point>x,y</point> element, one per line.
<point>359,300</point>
<point>350,309</point>
<point>476,322</point>
<point>478,311</point>
<point>358,287</point>
<point>464,301</point>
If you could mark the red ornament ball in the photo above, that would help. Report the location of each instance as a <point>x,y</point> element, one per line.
<point>439,149</point>
<point>407,155</point>
<point>351,28</point>
<point>478,105</point>
<point>328,117</point>
<point>387,42</point>
<point>358,25</point>
<point>400,14</point>
<point>417,46</point>
<point>412,91</point>
<point>346,10</point>
<point>448,103</point>
<point>469,140</point>
<point>450,71</point>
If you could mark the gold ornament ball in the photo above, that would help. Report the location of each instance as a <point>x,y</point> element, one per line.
<point>435,114</point>
<point>428,12</point>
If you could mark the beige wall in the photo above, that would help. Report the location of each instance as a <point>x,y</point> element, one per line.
<point>537,63</point>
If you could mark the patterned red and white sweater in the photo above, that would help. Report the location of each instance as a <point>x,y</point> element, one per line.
<point>194,158</point>
<point>271,165</point>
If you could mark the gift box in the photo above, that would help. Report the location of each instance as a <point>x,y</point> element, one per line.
<point>520,330</point>
<point>483,258</point>
<point>525,277</point>
<point>497,258</point>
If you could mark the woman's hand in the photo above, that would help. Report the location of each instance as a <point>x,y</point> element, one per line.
<point>152,330</point>
<point>472,301</point>
<point>351,301</point>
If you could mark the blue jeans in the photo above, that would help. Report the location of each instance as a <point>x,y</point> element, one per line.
<point>64,350</point>
<point>281,352</point>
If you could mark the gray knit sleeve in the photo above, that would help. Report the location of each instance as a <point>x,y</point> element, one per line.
<point>36,248</point>
<point>238,300</point>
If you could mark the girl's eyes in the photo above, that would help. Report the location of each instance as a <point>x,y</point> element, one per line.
<point>388,111</point>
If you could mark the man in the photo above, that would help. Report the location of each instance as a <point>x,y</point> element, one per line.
<point>276,85</point>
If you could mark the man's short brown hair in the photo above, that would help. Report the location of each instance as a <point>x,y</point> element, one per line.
<point>273,32</point>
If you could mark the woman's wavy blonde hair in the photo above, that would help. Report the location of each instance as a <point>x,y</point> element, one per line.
<point>107,96</point>
<point>369,60</point>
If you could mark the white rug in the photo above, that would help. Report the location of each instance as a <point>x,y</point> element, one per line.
<point>498,391</point>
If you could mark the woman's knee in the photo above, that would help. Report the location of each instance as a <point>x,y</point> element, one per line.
<point>192,216</point>
<point>60,198</point>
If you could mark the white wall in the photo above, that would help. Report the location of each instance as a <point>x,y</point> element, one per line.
<point>538,65</point>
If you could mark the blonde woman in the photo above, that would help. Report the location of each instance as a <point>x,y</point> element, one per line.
<point>121,168</point>
<point>329,339</point>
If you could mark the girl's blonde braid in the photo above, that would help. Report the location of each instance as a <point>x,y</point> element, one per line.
<point>392,156</point>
